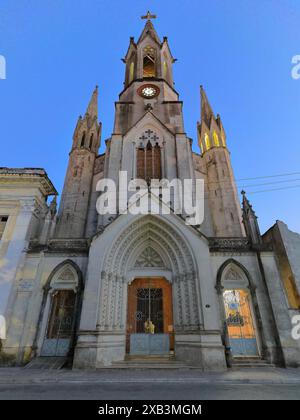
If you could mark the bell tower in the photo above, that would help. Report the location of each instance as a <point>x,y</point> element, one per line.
<point>221,188</point>
<point>148,82</point>
<point>149,57</point>
<point>73,208</point>
<point>148,139</point>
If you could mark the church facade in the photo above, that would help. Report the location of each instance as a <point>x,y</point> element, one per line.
<point>104,288</point>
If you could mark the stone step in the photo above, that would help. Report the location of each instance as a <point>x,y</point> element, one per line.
<point>150,362</point>
<point>150,359</point>
<point>47,363</point>
<point>147,366</point>
<point>251,363</point>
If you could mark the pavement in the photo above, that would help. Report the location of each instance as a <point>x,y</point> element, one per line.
<point>103,384</point>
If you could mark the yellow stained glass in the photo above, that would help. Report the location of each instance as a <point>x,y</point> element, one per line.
<point>216,139</point>
<point>207,141</point>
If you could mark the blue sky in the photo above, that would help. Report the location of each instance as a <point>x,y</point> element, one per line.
<point>240,50</point>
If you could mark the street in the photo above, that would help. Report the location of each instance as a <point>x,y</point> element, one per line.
<point>160,384</point>
<point>152,391</point>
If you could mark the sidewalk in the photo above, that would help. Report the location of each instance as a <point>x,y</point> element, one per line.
<point>22,376</point>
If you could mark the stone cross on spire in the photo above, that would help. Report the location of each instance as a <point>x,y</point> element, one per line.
<point>148,16</point>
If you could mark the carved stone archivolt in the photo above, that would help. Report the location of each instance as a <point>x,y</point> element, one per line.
<point>153,229</point>
<point>146,244</point>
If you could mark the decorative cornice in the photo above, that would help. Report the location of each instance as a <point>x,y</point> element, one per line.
<point>236,244</point>
<point>21,175</point>
<point>60,245</point>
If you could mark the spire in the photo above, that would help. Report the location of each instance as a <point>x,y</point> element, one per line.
<point>247,207</point>
<point>149,29</point>
<point>211,133</point>
<point>92,109</point>
<point>88,129</point>
<point>250,221</point>
<point>206,109</point>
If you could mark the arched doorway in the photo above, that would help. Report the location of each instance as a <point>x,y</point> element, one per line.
<point>149,247</point>
<point>238,312</point>
<point>149,329</point>
<point>240,324</point>
<point>60,317</point>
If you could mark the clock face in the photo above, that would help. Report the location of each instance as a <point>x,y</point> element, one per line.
<point>148,91</point>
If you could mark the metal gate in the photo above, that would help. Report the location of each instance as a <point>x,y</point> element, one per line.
<point>149,319</point>
<point>60,328</point>
<point>240,326</point>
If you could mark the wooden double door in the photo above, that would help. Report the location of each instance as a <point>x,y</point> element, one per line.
<point>149,317</point>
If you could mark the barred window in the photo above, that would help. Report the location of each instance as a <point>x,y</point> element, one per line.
<point>3,221</point>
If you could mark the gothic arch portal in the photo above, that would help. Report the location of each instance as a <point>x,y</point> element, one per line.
<point>239,310</point>
<point>128,257</point>
<point>63,287</point>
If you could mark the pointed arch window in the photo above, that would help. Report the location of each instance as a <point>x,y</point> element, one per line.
<point>82,140</point>
<point>207,141</point>
<point>131,72</point>
<point>165,70</point>
<point>91,140</point>
<point>149,160</point>
<point>216,139</point>
<point>149,62</point>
